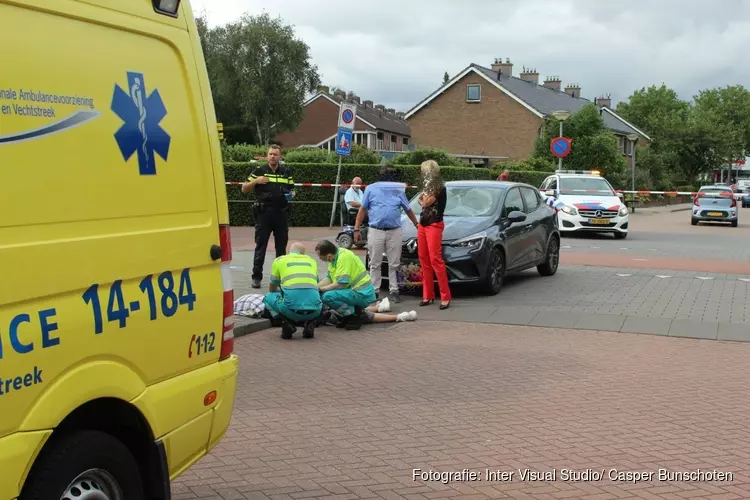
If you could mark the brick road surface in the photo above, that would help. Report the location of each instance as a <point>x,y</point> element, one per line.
<point>348,415</point>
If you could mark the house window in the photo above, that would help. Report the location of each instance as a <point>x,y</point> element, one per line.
<point>393,142</point>
<point>625,146</point>
<point>473,93</point>
<point>404,143</point>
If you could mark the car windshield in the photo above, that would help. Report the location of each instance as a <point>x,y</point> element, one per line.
<point>590,186</point>
<point>715,189</point>
<point>468,201</point>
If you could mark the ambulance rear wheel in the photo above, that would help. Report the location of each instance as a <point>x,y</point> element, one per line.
<point>85,465</point>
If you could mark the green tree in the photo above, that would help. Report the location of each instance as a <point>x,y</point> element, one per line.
<point>659,112</point>
<point>417,156</point>
<point>446,78</point>
<point>260,74</point>
<point>687,140</point>
<point>727,108</point>
<point>224,84</point>
<point>594,147</point>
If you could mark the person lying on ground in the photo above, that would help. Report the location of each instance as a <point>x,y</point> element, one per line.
<point>376,313</point>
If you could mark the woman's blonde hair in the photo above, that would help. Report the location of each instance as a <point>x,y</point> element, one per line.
<point>432,183</point>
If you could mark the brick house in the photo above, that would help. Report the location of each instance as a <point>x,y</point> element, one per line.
<point>376,127</point>
<point>487,115</point>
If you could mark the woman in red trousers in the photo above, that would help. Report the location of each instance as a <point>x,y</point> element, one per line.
<point>430,235</point>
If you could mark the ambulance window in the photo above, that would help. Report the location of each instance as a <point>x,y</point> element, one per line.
<point>166,7</point>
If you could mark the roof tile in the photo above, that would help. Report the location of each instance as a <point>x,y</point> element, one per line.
<point>380,119</point>
<point>546,100</point>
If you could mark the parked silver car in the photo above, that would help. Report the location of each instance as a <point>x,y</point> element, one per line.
<point>714,204</point>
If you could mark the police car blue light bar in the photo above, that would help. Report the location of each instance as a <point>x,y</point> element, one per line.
<point>579,172</point>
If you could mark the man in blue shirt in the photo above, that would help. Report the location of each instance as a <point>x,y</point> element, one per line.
<point>382,203</point>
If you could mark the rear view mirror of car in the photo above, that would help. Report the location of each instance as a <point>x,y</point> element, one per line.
<point>516,216</point>
<point>549,192</point>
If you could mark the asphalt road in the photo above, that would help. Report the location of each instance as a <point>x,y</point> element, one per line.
<point>549,375</point>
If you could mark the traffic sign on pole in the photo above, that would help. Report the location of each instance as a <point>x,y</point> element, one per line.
<point>347,115</point>
<point>344,142</point>
<point>560,147</point>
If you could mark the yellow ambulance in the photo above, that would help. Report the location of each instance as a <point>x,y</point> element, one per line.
<point>117,369</point>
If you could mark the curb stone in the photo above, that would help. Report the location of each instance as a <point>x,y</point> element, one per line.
<point>245,326</point>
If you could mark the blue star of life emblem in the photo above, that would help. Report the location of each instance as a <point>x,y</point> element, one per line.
<point>141,132</point>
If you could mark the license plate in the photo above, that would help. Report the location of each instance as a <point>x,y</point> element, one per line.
<point>599,221</point>
<point>716,214</point>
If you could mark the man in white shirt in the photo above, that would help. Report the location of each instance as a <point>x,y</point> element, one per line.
<point>353,198</point>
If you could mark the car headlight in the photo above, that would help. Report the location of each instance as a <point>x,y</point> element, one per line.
<point>569,210</point>
<point>473,242</point>
<point>624,211</point>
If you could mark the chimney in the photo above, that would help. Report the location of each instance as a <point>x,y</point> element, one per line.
<point>400,115</point>
<point>355,99</point>
<point>503,68</point>
<point>553,82</point>
<point>340,93</point>
<point>573,90</point>
<point>530,75</point>
<point>391,111</point>
<point>368,104</point>
<point>380,107</point>
<point>323,89</point>
<point>604,101</point>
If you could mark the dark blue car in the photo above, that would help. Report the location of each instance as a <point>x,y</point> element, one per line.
<point>491,229</point>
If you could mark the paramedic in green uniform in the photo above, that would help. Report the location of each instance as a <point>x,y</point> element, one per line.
<point>294,292</point>
<point>347,289</point>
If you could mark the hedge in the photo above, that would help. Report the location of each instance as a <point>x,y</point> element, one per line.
<point>312,205</point>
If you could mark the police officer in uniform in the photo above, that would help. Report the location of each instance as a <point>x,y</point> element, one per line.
<point>274,187</point>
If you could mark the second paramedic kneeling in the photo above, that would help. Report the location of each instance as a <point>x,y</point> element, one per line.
<point>347,289</point>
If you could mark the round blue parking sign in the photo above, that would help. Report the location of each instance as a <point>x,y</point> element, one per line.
<point>347,116</point>
<point>560,147</point>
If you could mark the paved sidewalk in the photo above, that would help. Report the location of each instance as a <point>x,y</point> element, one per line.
<point>350,415</point>
<point>648,301</point>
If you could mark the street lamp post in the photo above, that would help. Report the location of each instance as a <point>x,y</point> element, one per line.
<point>632,138</point>
<point>561,117</point>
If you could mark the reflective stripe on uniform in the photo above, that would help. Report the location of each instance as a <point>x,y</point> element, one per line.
<point>296,276</point>
<point>305,264</point>
<point>297,286</point>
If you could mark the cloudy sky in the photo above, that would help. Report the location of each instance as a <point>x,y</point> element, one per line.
<point>395,52</point>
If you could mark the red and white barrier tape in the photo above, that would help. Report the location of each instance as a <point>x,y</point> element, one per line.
<point>564,191</point>
<point>312,184</point>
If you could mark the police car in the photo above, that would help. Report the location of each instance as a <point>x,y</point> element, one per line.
<point>588,203</point>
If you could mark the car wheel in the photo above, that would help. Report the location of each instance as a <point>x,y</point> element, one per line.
<point>734,223</point>
<point>345,241</point>
<point>86,464</point>
<point>620,236</point>
<point>552,259</point>
<point>693,222</point>
<point>493,282</point>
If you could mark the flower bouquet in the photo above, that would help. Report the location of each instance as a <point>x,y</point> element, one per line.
<point>409,277</point>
